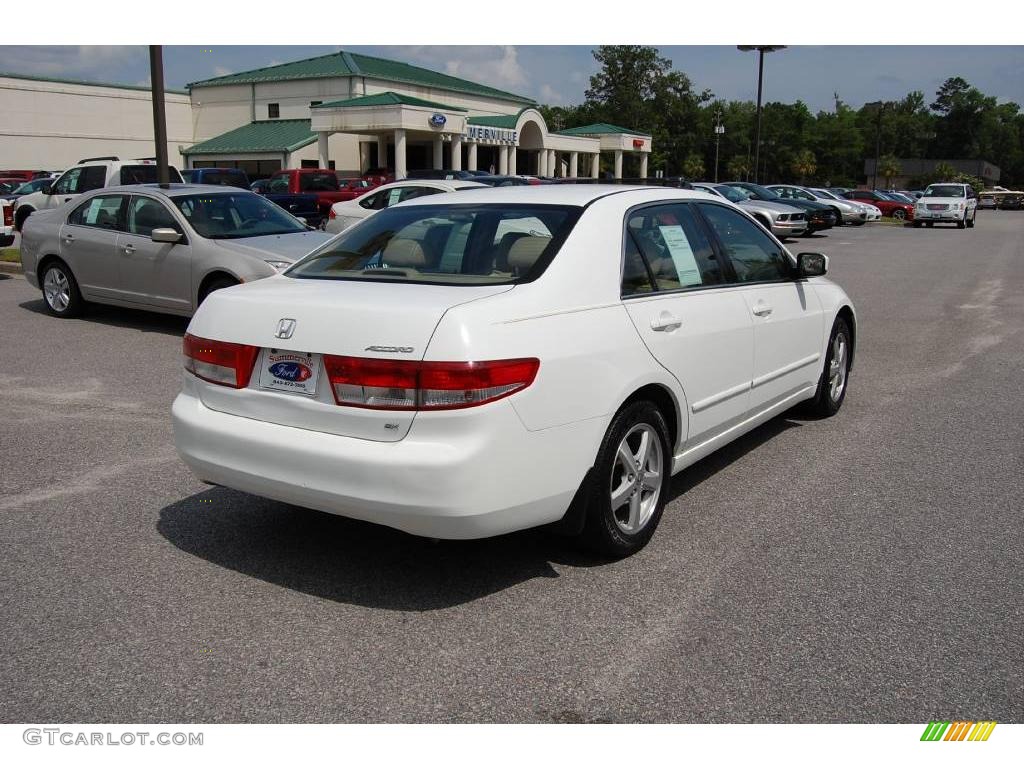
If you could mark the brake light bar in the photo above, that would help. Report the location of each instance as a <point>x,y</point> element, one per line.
<point>219,362</point>
<point>405,385</point>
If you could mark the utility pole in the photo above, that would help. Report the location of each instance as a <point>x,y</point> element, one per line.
<point>719,130</point>
<point>761,50</point>
<point>879,106</point>
<point>156,77</point>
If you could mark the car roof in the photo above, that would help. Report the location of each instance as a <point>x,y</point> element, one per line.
<point>565,194</point>
<point>174,189</point>
<point>450,184</point>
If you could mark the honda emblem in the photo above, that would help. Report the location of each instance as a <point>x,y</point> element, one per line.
<point>285,328</point>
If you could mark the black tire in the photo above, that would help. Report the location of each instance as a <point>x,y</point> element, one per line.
<point>60,289</point>
<point>917,225</point>
<point>929,224</point>
<point>216,285</point>
<point>604,530</point>
<point>839,217</point>
<point>825,403</point>
<point>899,214</point>
<point>970,223</point>
<point>962,224</point>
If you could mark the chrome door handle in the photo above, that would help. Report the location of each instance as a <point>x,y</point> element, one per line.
<point>69,239</point>
<point>761,309</point>
<point>129,248</point>
<point>666,321</point>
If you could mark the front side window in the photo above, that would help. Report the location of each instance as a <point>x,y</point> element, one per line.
<point>674,247</point>
<point>146,214</point>
<point>452,245</point>
<point>754,255</point>
<point>103,211</point>
<point>68,183</point>
<point>232,216</point>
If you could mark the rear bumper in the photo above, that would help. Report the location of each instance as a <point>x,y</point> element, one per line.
<point>465,477</point>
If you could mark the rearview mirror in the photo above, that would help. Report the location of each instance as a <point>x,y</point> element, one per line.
<point>812,264</point>
<point>46,189</point>
<point>165,235</point>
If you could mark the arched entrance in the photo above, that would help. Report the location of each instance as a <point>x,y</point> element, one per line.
<point>531,142</point>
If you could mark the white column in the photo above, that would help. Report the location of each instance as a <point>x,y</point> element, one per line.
<point>471,157</point>
<point>503,160</point>
<point>542,162</point>
<point>364,155</point>
<point>574,164</point>
<point>438,153</point>
<point>551,163</point>
<point>321,147</point>
<point>382,150</point>
<point>512,160</point>
<point>401,170</point>
<point>643,165</point>
<point>457,152</point>
<point>618,163</point>
<point>595,165</point>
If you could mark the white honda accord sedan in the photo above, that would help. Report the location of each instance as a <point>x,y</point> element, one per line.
<point>490,360</point>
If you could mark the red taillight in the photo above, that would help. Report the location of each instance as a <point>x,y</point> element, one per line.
<point>8,215</point>
<point>403,385</point>
<point>331,215</point>
<point>219,362</point>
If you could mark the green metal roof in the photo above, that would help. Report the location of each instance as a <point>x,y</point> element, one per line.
<point>596,129</point>
<point>388,98</point>
<point>258,136</point>
<point>97,83</point>
<point>495,121</point>
<point>345,64</point>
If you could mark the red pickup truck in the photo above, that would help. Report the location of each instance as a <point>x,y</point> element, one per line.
<point>312,181</point>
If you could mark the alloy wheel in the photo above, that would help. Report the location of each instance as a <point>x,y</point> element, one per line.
<point>56,289</point>
<point>837,368</point>
<point>636,478</point>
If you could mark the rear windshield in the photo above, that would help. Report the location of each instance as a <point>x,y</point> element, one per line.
<point>445,245</point>
<point>225,178</point>
<point>318,182</point>
<point>145,174</point>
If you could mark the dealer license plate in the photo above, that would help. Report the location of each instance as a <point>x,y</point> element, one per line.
<point>287,371</point>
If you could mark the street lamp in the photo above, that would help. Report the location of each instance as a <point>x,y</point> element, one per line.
<point>762,50</point>
<point>719,130</point>
<point>878,106</point>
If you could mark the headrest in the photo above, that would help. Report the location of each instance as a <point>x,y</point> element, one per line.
<point>401,252</point>
<point>525,251</point>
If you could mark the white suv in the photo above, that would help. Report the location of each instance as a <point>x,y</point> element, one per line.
<point>951,203</point>
<point>89,174</point>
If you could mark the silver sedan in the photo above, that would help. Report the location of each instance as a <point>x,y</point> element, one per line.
<point>781,219</point>
<point>163,248</point>
<point>847,211</point>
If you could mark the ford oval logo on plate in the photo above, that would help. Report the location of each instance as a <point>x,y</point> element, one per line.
<point>438,120</point>
<point>290,371</point>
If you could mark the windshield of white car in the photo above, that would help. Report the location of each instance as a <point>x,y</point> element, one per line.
<point>944,190</point>
<point>236,215</point>
<point>445,245</point>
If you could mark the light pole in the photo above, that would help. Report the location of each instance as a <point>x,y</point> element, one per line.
<point>761,50</point>
<point>719,130</point>
<point>156,77</point>
<point>878,106</point>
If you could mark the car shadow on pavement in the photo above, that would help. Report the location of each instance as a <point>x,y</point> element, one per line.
<point>360,563</point>
<point>137,319</point>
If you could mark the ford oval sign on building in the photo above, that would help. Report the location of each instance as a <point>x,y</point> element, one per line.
<point>438,120</point>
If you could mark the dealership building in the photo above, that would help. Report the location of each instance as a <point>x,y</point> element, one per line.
<point>344,110</point>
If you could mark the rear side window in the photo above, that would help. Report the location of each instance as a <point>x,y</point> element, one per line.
<point>103,211</point>
<point>318,182</point>
<point>450,245</point>
<point>93,177</point>
<point>755,256</point>
<point>674,247</point>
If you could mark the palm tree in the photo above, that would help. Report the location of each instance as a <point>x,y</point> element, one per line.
<point>738,167</point>
<point>944,172</point>
<point>889,168</point>
<point>693,166</point>
<point>804,165</point>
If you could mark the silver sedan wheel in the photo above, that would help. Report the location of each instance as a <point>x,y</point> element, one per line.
<point>636,478</point>
<point>838,367</point>
<point>56,289</point>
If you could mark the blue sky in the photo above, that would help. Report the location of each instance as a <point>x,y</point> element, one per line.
<point>560,74</point>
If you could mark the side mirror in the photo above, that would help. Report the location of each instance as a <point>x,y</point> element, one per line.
<point>46,189</point>
<point>812,264</point>
<point>165,235</point>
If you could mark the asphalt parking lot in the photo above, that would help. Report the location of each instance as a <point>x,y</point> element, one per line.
<point>861,569</point>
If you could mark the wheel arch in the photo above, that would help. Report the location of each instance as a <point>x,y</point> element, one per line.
<point>667,403</point>
<point>45,261</point>
<point>20,214</point>
<point>217,273</point>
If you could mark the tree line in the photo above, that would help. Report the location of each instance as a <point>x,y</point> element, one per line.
<point>638,88</point>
